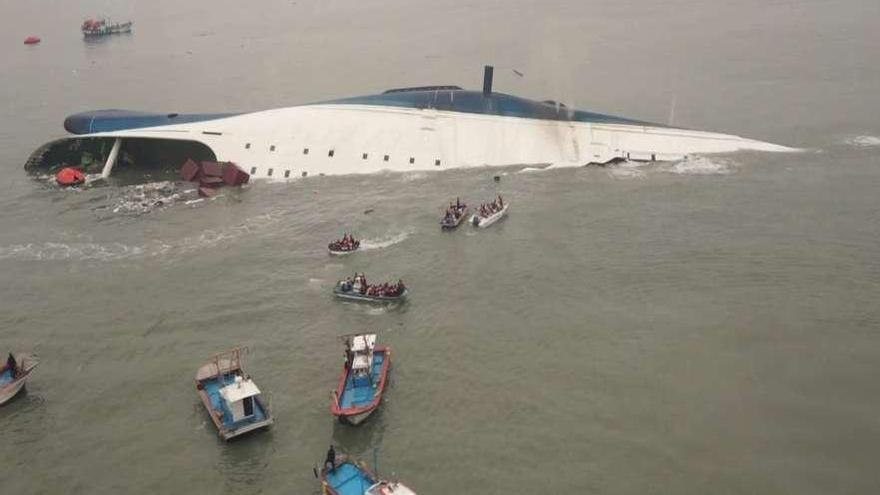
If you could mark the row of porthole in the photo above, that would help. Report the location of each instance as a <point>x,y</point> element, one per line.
<point>330,154</point>
<point>269,172</point>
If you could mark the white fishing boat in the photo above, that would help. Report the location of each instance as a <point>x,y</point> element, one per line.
<point>482,222</point>
<point>14,375</point>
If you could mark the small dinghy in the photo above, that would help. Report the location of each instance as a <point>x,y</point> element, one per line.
<point>31,40</point>
<point>489,213</point>
<point>232,399</point>
<point>357,289</point>
<point>14,375</point>
<point>364,374</point>
<point>344,475</point>
<point>347,245</point>
<point>454,215</point>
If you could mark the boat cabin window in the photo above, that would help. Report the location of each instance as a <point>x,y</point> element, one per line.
<point>269,172</point>
<point>247,146</point>
<point>330,153</point>
<point>412,160</point>
<point>253,170</point>
<point>272,148</point>
<point>286,174</point>
<point>305,174</point>
<point>386,158</point>
<point>305,151</point>
<point>248,404</point>
<point>436,163</point>
<point>364,156</point>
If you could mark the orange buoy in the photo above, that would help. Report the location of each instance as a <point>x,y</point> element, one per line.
<point>31,40</point>
<point>69,176</point>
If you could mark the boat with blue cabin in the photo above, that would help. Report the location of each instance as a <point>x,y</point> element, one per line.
<point>364,375</point>
<point>230,396</point>
<point>14,375</point>
<point>349,476</point>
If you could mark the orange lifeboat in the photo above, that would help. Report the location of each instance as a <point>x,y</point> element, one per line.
<point>69,176</point>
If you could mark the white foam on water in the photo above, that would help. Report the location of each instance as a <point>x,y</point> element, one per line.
<point>115,251</point>
<point>57,251</point>
<point>384,242</point>
<point>701,165</point>
<point>414,176</point>
<point>529,170</point>
<point>626,170</point>
<point>144,198</point>
<point>863,141</point>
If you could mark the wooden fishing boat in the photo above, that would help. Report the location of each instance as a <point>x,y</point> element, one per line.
<point>103,27</point>
<point>14,375</point>
<point>360,387</point>
<point>482,222</point>
<point>349,476</point>
<point>230,396</point>
<point>456,214</point>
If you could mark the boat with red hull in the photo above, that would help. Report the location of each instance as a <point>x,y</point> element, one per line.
<point>364,375</point>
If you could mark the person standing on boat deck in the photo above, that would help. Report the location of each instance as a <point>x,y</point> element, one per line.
<point>10,363</point>
<point>330,461</point>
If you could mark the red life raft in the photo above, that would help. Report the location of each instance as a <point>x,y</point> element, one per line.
<point>31,40</point>
<point>69,176</point>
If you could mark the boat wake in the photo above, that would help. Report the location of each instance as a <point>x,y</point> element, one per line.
<point>382,243</point>
<point>863,141</point>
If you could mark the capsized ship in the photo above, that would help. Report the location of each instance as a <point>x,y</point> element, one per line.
<point>401,130</point>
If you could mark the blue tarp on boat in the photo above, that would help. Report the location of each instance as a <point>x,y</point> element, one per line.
<point>348,479</point>
<point>5,376</point>
<point>359,391</point>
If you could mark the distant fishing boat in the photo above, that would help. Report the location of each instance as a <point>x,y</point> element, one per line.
<point>359,390</point>
<point>14,375</point>
<point>31,40</point>
<point>230,396</point>
<point>349,476</point>
<point>103,27</point>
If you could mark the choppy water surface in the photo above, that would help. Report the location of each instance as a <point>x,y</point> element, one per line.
<point>704,325</point>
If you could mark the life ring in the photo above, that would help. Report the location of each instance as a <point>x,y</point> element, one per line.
<point>69,176</point>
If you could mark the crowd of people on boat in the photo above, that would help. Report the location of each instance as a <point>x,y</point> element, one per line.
<point>359,284</point>
<point>347,243</point>
<point>489,209</point>
<point>454,212</point>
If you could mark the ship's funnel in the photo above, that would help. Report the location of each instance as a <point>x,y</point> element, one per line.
<point>487,80</point>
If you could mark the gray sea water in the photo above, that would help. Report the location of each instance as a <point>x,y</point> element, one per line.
<point>693,327</point>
